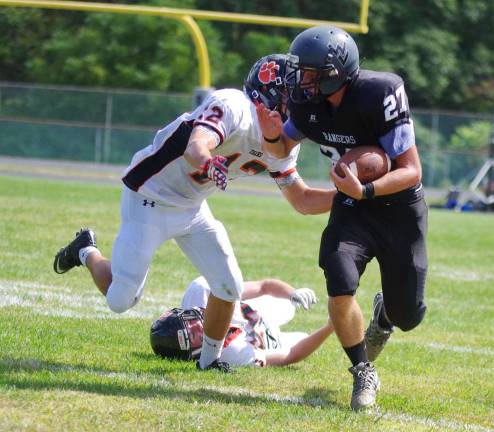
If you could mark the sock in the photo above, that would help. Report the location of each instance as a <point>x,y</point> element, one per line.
<point>85,252</point>
<point>211,350</point>
<point>357,353</point>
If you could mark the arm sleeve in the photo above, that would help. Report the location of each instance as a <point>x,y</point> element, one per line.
<point>398,140</point>
<point>292,132</point>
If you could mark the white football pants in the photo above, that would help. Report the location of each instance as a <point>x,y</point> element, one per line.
<point>146,225</point>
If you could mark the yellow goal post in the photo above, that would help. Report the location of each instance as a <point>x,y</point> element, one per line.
<point>187,16</point>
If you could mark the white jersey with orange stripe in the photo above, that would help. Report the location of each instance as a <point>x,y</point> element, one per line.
<point>161,173</point>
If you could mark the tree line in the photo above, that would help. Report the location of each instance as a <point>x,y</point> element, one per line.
<point>442,48</point>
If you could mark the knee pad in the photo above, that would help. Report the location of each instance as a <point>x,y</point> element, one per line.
<point>342,276</point>
<point>408,321</point>
<point>229,291</point>
<point>122,296</point>
<point>226,281</point>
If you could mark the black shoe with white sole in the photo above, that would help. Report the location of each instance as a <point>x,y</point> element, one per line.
<point>68,257</point>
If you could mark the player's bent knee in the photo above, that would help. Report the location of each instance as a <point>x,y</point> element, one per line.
<point>120,298</point>
<point>227,285</point>
<point>407,322</point>
<point>341,274</point>
<point>118,306</point>
<point>230,289</point>
<point>227,294</point>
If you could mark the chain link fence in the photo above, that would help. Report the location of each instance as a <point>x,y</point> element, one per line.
<point>108,126</point>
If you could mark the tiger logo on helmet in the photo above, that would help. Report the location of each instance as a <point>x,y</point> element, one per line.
<point>265,83</point>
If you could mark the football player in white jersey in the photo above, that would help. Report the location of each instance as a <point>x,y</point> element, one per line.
<point>164,198</point>
<point>254,337</point>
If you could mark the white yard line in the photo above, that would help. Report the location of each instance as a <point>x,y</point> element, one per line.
<point>460,349</point>
<point>152,379</point>
<point>456,274</point>
<point>440,423</point>
<point>60,301</point>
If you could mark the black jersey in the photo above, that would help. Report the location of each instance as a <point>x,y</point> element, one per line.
<point>373,104</point>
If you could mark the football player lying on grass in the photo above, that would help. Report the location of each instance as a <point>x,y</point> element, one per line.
<point>254,337</point>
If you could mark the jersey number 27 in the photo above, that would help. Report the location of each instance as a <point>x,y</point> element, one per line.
<point>395,104</point>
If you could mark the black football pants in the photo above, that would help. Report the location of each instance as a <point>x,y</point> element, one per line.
<point>392,229</point>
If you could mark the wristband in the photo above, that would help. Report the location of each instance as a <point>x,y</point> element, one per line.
<point>368,191</point>
<point>272,140</point>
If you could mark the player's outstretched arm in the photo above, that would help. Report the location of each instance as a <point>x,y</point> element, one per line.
<point>273,287</point>
<point>199,147</point>
<point>301,349</point>
<point>307,200</point>
<point>301,297</point>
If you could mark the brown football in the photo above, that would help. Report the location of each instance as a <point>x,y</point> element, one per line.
<point>367,162</point>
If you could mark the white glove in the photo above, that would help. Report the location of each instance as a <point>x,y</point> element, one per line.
<point>303,297</point>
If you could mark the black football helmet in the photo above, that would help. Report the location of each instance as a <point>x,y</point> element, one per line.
<point>320,61</point>
<point>266,83</point>
<point>178,334</point>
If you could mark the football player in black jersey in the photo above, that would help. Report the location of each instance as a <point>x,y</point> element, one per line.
<point>339,106</point>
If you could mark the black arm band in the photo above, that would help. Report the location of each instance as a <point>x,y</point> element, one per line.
<point>368,191</point>
<point>272,140</point>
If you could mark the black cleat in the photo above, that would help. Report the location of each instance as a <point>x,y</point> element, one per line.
<point>68,257</point>
<point>218,365</point>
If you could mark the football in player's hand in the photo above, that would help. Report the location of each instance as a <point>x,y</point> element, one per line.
<point>367,162</point>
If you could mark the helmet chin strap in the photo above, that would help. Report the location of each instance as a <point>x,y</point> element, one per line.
<point>326,94</point>
<point>349,79</point>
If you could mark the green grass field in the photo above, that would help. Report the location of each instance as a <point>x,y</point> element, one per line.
<point>68,364</point>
